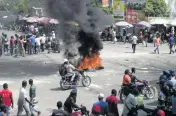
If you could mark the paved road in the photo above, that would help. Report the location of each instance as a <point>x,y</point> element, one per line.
<point>116,58</point>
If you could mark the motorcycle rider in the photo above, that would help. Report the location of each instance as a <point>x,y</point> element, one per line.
<point>70,102</point>
<point>130,105</point>
<point>69,70</point>
<point>173,80</point>
<point>164,76</point>
<point>134,79</point>
<point>59,111</point>
<point>163,79</point>
<point>173,102</point>
<point>126,78</point>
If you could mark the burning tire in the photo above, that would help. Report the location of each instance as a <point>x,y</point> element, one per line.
<point>64,85</point>
<point>86,81</point>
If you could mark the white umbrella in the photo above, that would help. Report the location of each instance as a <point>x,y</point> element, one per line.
<point>173,22</point>
<point>144,23</point>
<point>159,21</point>
<point>23,18</point>
<point>32,19</point>
<point>4,17</point>
<point>123,23</point>
<point>54,21</point>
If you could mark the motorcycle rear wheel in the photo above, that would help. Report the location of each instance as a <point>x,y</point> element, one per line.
<point>86,81</point>
<point>63,86</point>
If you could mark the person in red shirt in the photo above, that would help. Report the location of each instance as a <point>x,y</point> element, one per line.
<point>126,78</point>
<point>12,45</point>
<point>112,103</point>
<point>7,98</point>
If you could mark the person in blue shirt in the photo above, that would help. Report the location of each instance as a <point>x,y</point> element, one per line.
<point>173,102</point>
<point>32,43</point>
<point>171,43</point>
<point>103,105</point>
<point>173,80</point>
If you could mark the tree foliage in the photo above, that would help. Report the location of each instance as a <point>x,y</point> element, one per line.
<point>156,8</point>
<point>22,6</point>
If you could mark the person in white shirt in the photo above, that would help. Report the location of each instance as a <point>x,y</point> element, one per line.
<point>53,35</point>
<point>134,42</point>
<point>37,40</point>
<point>32,28</point>
<point>22,100</point>
<point>42,41</point>
<point>114,36</point>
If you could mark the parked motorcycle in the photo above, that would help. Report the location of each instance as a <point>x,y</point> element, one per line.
<point>66,83</point>
<point>145,89</point>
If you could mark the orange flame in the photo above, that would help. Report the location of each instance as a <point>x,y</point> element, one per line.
<point>92,62</point>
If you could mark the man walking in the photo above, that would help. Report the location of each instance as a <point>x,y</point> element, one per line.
<point>157,42</point>
<point>32,95</point>
<point>146,37</point>
<point>134,42</point>
<point>171,43</point>
<point>114,39</point>
<point>7,98</point>
<point>23,99</point>
<point>32,44</point>
<point>38,44</point>
<point>43,39</point>
<point>124,35</point>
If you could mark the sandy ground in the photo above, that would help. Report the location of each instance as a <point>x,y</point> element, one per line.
<point>43,68</point>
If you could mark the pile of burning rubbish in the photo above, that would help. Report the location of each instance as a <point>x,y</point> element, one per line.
<point>84,44</point>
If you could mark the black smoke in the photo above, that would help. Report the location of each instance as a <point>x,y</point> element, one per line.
<point>90,19</point>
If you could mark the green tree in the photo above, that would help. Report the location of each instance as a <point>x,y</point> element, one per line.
<point>156,8</point>
<point>22,6</point>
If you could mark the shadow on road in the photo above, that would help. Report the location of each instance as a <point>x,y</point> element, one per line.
<point>129,52</point>
<point>22,69</point>
<point>57,89</point>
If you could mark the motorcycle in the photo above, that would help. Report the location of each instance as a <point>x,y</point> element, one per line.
<point>145,89</point>
<point>66,83</point>
<point>80,111</point>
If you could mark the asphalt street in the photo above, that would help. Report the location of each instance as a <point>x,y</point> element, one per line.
<point>43,68</point>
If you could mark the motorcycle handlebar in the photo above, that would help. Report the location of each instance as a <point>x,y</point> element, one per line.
<point>76,109</point>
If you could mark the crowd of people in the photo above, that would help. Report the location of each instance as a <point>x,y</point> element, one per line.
<point>28,43</point>
<point>144,36</point>
<point>103,107</point>
<point>166,98</point>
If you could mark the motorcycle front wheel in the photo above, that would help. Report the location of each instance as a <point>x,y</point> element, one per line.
<point>149,92</point>
<point>86,81</point>
<point>64,85</point>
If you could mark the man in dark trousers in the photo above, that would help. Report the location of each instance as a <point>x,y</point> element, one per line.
<point>134,42</point>
<point>112,103</point>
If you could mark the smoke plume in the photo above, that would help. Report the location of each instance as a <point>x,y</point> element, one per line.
<point>89,19</point>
